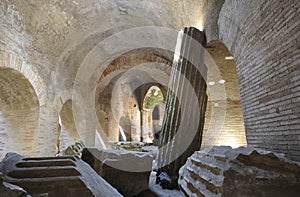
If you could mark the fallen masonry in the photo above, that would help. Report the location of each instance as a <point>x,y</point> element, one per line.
<point>212,172</point>
<point>127,171</point>
<point>54,176</point>
<point>10,190</point>
<point>247,172</point>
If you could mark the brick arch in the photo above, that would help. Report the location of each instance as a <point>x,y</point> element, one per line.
<point>11,60</point>
<point>228,111</point>
<point>150,125</point>
<point>126,62</point>
<point>266,56</point>
<point>62,99</point>
<point>68,133</point>
<point>163,89</point>
<point>133,58</point>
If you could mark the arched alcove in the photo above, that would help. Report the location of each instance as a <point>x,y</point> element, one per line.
<point>231,131</point>
<point>19,114</point>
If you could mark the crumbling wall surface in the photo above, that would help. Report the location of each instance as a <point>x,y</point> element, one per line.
<point>223,171</point>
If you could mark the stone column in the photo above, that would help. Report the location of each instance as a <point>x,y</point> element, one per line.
<point>183,121</point>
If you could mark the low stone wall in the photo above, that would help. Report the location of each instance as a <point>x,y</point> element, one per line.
<point>247,172</point>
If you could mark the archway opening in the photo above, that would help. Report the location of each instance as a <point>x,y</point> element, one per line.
<point>120,92</point>
<point>19,114</point>
<point>232,131</point>
<point>67,131</point>
<point>153,110</point>
<point>124,111</point>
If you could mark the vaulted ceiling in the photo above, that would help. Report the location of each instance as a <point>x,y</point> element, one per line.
<point>66,31</point>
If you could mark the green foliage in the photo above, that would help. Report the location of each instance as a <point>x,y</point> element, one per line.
<point>153,97</point>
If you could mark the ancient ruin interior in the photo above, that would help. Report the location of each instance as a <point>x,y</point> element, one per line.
<point>90,104</point>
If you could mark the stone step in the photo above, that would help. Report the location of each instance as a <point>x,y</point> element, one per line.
<point>208,185</point>
<point>46,159</point>
<point>46,163</point>
<point>44,185</point>
<point>206,175</point>
<point>54,176</point>
<point>209,163</point>
<point>44,172</point>
<point>198,187</point>
<point>259,174</point>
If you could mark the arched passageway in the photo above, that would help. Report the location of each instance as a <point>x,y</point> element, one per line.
<point>153,110</point>
<point>68,134</point>
<point>121,104</point>
<point>121,89</point>
<point>19,114</point>
<point>230,130</point>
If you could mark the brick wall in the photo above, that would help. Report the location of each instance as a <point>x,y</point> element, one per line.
<point>264,39</point>
<point>18,132</point>
<point>224,123</point>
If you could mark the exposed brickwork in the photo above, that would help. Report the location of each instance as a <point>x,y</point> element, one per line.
<point>115,95</point>
<point>264,39</point>
<point>11,60</point>
<point>224,123</point>
<point>47,41</point>
<point>224,128</point>
<point>18,132</point>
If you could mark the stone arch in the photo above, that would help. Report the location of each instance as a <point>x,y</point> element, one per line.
<point>10,60</point>
<point>19,113</point>
<point>133,58</point>
<point>147,87</point>
<point>150,125</point>
<point>67,134</point>
<point>225,29</point>
<point>97,60</point>
<point>151,63</point>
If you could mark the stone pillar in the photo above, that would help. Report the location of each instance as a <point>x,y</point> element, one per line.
<point>183,121</point>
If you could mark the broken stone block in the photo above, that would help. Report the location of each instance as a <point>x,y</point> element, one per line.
<point>54,176</point>
<point>247,172</point>
<point>127,171</point>
<point>10,190</point>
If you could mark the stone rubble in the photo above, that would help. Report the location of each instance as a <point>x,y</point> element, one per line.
<point>247,172</point>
